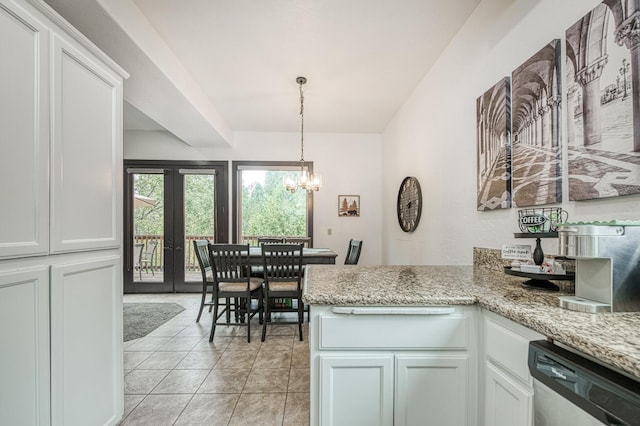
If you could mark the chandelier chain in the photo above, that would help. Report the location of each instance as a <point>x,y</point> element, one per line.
<point>301,124</point>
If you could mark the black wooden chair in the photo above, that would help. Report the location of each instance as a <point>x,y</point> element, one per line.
<point>353,252</point>
<point>202,254</point>
<point>232,281</point>
<point>282,265</point>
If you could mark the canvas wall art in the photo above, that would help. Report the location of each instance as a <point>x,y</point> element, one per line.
<point>349,205</point>
<point>603,126</point>
<point>494,147</point>
<point>536,152</point>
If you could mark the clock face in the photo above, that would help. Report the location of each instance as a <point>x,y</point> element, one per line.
<point>409,204</point>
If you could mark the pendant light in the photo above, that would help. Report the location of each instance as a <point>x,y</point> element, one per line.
<point>306,181</point>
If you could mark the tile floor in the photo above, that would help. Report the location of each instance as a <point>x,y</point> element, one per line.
<point>175,376</point>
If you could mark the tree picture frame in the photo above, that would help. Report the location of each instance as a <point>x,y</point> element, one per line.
<point>349,205</point>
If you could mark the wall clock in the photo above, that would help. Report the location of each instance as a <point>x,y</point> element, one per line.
<point>409,204</point>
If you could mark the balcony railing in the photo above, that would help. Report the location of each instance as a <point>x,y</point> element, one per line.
<point>190,260</point>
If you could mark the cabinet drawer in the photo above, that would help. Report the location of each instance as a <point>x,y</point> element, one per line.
<point>507,343</point>
<point>394,328</point>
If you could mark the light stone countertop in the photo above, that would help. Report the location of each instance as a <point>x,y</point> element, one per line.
<point>613,338</point>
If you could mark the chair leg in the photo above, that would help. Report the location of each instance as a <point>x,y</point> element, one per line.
<point>267,317</point>
<point>204,299</point>
<point>215,319</point>
<point>300,317</point>
<point>248,310</point>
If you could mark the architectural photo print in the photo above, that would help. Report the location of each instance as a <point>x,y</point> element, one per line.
<point>536,152</point>
<point>603,104</point>
<point>493,128</point>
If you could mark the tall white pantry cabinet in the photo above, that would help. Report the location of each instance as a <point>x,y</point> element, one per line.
<point>60,223</point>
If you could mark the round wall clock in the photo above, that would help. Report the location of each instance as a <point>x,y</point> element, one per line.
<point>409,204</point>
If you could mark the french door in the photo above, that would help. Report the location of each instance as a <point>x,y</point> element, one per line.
<point>167,206</point>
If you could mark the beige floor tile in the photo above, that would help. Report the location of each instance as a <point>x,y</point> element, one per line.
<point>282,330</point>
<point>296,411</point>
<point>162,361</point>
<point>224,381</point>
<point>300,357</point>
<point>149,344</point>
<point>259,409</point>
<point>218,344</point>
<point>131,402</point>
<point>132,359</point>
<point>236,359</point>
<point>267,380</point>
<point>208,410</point>
<point>278,342</point>
<point>198,360</point>
<point>181,381</point>
<point>241,344</point>
<point>273,358</point>
<point>157,410</point>
<point>196,330</point>
<point>166,331</point>
<point>180,344</point>
<point>299,380</point>
<point>142,382</point>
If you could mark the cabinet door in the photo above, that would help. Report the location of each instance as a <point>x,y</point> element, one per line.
<point>24,347</point>
<point>86,343</point>
<point>86,151</point>
<point>356,390</point>
<point>24,122</point>
<point>432,390</point>
<point>507,403</point>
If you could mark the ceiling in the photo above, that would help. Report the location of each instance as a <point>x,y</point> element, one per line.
<point>203,69</point>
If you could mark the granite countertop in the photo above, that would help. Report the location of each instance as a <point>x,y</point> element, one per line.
<point>613,338</point>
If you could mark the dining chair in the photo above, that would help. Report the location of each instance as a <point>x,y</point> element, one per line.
<point>147,258</point>
<point>282,265</point>
<point>305,241</point>
<point>232,281</point>
<point>353,252</point>
<point>137,255</point>
<point>200,247</point>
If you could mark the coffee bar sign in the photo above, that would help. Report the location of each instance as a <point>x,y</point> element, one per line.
<point>516,251</point>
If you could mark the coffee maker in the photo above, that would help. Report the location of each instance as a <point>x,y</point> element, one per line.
<point>607,262</point>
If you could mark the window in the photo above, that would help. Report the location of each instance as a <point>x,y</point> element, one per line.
<point>263,207</point>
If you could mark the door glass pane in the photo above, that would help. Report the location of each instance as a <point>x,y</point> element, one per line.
<point>148,228</point>
<point>199,219</point>
<point>267,209</point>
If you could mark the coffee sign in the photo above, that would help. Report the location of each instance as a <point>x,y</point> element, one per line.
<point>533,222</point>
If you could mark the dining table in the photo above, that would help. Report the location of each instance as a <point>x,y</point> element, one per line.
<point>309,256</point>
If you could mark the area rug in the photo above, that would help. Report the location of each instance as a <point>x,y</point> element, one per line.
<point>140,319</point>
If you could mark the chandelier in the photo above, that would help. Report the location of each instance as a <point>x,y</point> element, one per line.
<point>306,181</point>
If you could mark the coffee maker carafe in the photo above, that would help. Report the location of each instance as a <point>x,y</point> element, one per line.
<point>607,259</point>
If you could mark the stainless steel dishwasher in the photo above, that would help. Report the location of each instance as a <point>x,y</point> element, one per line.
<point>572,390</point>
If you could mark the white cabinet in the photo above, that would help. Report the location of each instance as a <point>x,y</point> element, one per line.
<point>507,401</point>
<point>86,336</point>
<point>24,142</point>
<point>61,216</point>
<point>508,395</point>
<point>393,366</point>
<point>24,347</point>
<point>356,390</point>
<point>86,151</point>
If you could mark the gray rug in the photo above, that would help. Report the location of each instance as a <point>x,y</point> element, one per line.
<point>140,319</point>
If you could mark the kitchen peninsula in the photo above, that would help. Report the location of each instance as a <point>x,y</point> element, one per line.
<point>368,318</point>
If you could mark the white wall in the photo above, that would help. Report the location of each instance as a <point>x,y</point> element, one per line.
<point>433,137</point>
<point>350,164</point>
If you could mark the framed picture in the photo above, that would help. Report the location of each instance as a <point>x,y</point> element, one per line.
<point>536,151</point>
<point>493,111</point>
<point>349,205</point>
<point>603,126</point>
